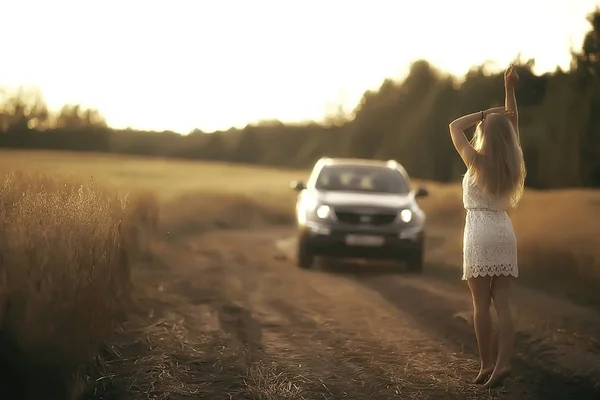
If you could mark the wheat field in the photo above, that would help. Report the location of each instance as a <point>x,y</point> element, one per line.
<point>70,228</point>
<point>557,231</point>
<point>559,236</point>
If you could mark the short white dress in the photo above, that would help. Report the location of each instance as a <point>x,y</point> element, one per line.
<point>489,241</point>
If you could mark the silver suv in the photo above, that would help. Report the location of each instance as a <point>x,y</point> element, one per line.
<point>359,208</point>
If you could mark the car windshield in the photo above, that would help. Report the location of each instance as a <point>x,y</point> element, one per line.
<point>362,178</point>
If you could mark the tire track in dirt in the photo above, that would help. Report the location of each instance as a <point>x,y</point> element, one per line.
<point>162,353</point>
<point>271,357</point>
<point>190,335</point>
<point>239,321</point>
<point>226,294</point>
<point>299,346</point>
<point>349,371</point>
<point>371,349</point>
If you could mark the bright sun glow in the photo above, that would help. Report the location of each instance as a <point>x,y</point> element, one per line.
<point>182,65</point>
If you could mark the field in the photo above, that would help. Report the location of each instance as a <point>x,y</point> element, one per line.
<point>558,236</point>
<point>53,221</point>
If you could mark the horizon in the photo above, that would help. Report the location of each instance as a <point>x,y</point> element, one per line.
<point>325,61</point>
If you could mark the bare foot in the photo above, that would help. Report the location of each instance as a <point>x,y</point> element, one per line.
<point>497,378</point>
<point>484,373</point>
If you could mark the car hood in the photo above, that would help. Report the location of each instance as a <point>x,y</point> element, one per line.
<point>351,199</point>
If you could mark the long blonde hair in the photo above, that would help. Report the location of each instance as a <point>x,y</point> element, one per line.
<point>498,167</point>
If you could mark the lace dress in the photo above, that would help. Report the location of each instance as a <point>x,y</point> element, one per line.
<point>489,242</point>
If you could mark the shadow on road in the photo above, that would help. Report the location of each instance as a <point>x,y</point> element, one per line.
<point>369,268</point>
<point>360,267</point>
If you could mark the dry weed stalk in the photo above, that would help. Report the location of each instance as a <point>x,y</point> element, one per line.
<point>65,253</point>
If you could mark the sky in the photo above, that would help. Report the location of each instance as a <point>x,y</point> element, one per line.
<point>212,64</point>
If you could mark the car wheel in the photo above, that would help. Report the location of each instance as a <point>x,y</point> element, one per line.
<point>414,262</point>
<point>305,257</point>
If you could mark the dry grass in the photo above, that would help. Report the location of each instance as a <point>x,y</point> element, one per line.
<point>65,253</point>
<point>197,212</point>
<point>169,363</point>
<point>194,196</point>
<point>559,240</point>
<point>168,179</point>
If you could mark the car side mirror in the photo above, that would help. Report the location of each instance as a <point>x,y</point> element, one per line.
<point>297,186</point>
<point>422,192</point>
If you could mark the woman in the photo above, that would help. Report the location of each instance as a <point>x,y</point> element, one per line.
<point>492,184</point>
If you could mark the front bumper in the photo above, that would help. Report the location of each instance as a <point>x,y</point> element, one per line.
<point>330,240</point>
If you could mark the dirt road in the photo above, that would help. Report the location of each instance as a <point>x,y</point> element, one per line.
<point>227,315</point>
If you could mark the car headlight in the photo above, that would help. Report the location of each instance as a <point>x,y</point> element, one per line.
<point>323,211</point>
<point>311,209</point>
<point>406,215</point>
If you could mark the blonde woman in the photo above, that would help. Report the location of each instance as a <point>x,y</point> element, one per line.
<point>492,184</point>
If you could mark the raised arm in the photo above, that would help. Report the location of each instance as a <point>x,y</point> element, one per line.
<point>510,101</point>
<point>457,132</point>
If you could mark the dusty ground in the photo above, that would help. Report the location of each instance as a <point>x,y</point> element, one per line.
<point>227,315</point>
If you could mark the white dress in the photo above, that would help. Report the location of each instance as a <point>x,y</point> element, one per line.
<point>489,242</point>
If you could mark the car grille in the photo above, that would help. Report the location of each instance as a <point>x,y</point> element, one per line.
<point>357,218</point>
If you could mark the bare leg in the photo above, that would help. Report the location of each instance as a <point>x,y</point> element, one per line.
<point>501,296</point>
<point>482,320</point>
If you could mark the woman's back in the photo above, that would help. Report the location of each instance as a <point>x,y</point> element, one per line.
<point>475,198</point>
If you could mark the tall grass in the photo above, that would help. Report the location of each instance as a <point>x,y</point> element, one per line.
<point>65,253</point>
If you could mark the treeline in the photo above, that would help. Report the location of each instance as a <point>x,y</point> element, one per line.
<point>406,121</point>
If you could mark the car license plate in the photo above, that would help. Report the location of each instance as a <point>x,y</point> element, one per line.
<point>364,240</point>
